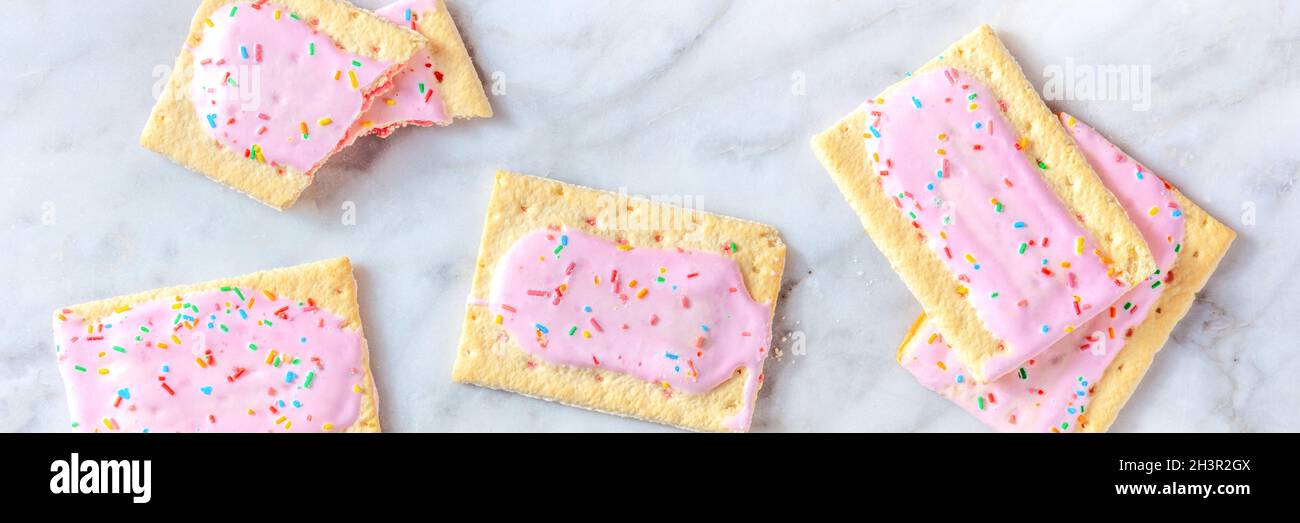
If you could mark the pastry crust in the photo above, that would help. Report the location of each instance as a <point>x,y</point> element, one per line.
<point>523,204</point>
<point>981,55</point>
<point>330,283</point>
<point>1205,242</point>
<point>174,131</point>
<point>461,91</point>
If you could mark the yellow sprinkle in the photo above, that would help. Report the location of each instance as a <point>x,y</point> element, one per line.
<point>663,270</point>
<point>875,157</point>
<point>352,78</point>
<point>270,357</point>
<point>940,152</point>
<point>103,371</point>
<point>973,106</point>
<point>251,412</point>
<point>624,247</point>
<point>390,101</point>
<point>277,14</point>
<point>498,320</point>
<point>62,317</point>
<point>209,22</point>
<point>631,284</point>
<point>328,426</point>
<point>90,329</point>
<point>325,121</point>
<point>1065,265</point>
<point>970,258</point>
<point>367,123</point>
<point>586,334</point>
<point>176,340</point>
<point>108,424</point>
<point>961,291</point>
<point>122,309</point>
<point>1078,245</point>
<point>280,420</point>
<point>288,424</point>
<point>943,137</point>
<point>201,363</point>
<point>102,354</point>
<point>268,294</point>
<point>641,293</point>
<point>162,345</point>
<point>1069,328</point>
<point>1071,121</point>
<point>596,279</point>
<point>933,337</point>
<point>1153,211</point>
<point>941,365</point>
<point>878,101</point>
<point>357,389</point>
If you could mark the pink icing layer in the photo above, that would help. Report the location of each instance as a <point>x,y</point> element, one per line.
<point>953,166</point>
<point>414,98</point>
<point>1051,392</point>
<point>261,76</point>
<point>680,318</point>
<point>240,365</point>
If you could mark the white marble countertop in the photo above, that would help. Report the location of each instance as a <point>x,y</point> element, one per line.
<point>711,99</point>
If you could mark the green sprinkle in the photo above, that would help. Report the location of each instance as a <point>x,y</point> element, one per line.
<point>75,424</point>
<point>79,368</point>
<point>240,294</point>
<point>225,289</point>
<point>1065,426</point>
<point>1023,246</point>
<point>120,349</point>
<point>573,329</point>
<point>1023,375</point>
<point>311,49</point>
<point>661,279</point>
<point>558,248</point>
<point>1156,284</point>
<point>1042,165</point>
<point>252,346</point>
<point>144,329</point>
<point>294,16</point>
<point>267,322</point>
<point>1128,305</point>
<point>994,295</point>
<point>277,362</point>
<point>223,328</point>
<point>733,247</point>
<point>356,63</point>
<point>1178,247</point>
<point>981,402</point>
<point>421,87</point>
<point>311,375</point>
<point>296,361</point>
<point>233,9</point>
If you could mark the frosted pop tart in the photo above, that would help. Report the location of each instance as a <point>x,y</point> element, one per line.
<point>984,206</point>
<point>436,85</point>
<point>276,351</point>
<point>263,93</point>
<point>620,305</point>
<point>1082,382</point>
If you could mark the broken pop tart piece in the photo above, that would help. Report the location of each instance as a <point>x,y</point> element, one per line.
<point>263,93</point>
<point>574,301</point>
<point>983,205</point>
<point>435,86</point>
<point>275,351</point>
<point>1082,381</point>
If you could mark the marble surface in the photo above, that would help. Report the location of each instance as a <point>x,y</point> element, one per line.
<point>711,99</point>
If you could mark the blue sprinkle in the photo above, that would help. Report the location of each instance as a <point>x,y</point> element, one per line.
<point>586,309</point>
<point>916,102</point>
<point>289,377</point>
<point>1178,213</point>
<point>705,328</point>
<point>207,390</point>
<point>977,266</point>
<point>542,328</point>
<point>1139,174</point>
<point>960,378</point>
<point>212,120</point>
<point>408,14</point>
<point>303,339</point>
<point>146,430</point>
<point>124,394</point>
<point>281,402</point>
<point>1081,393</point>
<point>874,131</point>
<point>979,125</point>
<point>564,240</point>
<point>1045,329</point>
<point>1070,410</point>
<point>243,51</point>
<point>939,173</point>
<point>243,314</point>
<point>1019,225</point>
<point>677,368</point>
<point>209,325</point>
<point>929,186</point>
<point>297,403</point>
<point>671,356</point>
<point>167,368</point>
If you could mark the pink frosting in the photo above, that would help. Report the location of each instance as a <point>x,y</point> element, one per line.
<point>1051,392</point>
<point>263,74</point>
<point>414,98</point>
<point>231,360</point>
<point>954,167</point>
<point>679,318</point>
